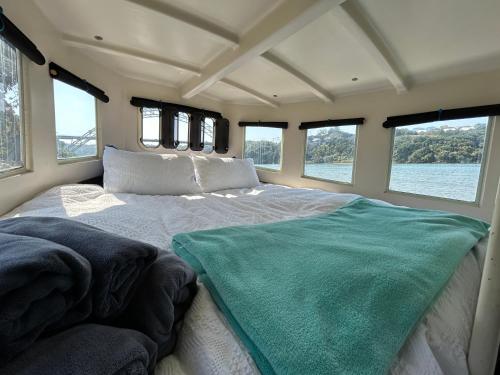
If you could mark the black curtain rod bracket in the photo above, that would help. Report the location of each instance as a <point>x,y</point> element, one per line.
<point>265,124</point>
<point>330,123</point>
<point>15,37</point>
<point>63,75</point>
<point>172,107</point>
<point>442,115</point>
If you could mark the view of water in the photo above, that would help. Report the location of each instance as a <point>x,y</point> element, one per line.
<point>453,181</point>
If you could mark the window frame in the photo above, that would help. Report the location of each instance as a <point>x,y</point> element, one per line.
<point>25,139</point>
<point>176,131</point>
<point>281,149</point>
<point>202,134</point>
<point>481,178</point>
<point>78,159</point>
<point>141,129</point>
<point>354,161</point>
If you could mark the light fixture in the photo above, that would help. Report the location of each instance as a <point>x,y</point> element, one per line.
<point>98,37</point>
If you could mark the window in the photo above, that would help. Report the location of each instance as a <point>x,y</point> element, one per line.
<point>441,159</point>
<point>207,132</point>
<point>263,145</point>
<point>330,153</point>
<point>182,131</point>
<point>76,130</point>
<point>150,130</point>
<point>12,153</point>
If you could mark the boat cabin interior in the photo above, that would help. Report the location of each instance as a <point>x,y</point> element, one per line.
<point>273,187</point>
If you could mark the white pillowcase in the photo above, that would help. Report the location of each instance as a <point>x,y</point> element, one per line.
<point>224,173</point>
<point>148,173</point>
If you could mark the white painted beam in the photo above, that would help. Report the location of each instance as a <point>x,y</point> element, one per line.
<point>121,51</point>
<point>264,99</point>
<point>315,88</point>
<point>280,24</point>
<point>360,27</point>
<point>188,18</point>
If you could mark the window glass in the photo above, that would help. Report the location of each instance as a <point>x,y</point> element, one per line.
<point>182,131</point>
<point>76,128</point>
<point>263,145</point>
<point>208,134</point>
<point>441,159</point>
<point>11,124</point>
<point>330,153</point>
<point>150,136</point>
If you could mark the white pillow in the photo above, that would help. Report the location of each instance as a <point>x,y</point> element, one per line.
<point>224,173</point>
<point>148,173</point>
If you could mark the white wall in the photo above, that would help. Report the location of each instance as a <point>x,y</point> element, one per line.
<point>374,142</point>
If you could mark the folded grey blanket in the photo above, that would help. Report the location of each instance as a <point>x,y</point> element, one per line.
<point>43,285</point>
<point>87,349</point>
<point>118,263</point>
<point>161,301</point>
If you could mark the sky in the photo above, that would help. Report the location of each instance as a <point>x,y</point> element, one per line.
<point>75,110</point>
<point>254,133</point>
<point>453,123</point>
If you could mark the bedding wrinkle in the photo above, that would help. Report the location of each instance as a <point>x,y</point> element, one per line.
<point>206,343</point>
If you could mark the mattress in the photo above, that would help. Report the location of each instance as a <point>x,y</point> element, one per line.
<point>439,344</point>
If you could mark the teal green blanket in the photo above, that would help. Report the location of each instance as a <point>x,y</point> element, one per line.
<point>332,294</point>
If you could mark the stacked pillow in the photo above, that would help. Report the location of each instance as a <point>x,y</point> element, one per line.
<point>172,174</point>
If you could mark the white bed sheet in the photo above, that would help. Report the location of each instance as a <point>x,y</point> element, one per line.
<point>206,344</point>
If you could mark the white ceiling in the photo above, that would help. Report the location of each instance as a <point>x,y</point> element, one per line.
<point>383,43</point>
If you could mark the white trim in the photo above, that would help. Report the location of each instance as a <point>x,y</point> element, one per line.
<point>483,349</point>
<point>360,27</point>
<point>264,99</point>
<point>189,19</point>
<point>127,52</point>
<point>315,88</point>
<point>280,24</point>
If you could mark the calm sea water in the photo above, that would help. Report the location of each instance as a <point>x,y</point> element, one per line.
<point>454,181</point>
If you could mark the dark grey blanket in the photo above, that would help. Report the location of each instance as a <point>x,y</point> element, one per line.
<point>42,285</point>
<point>161,301</point>
<point>88,349</point>
<point>118,263</point>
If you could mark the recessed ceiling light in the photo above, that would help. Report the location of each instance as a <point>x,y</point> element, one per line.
<point>98,37</point>
<point>275,96</point>
<point>354,79</point>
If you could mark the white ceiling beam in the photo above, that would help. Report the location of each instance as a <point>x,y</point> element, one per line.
<point>262,98</point>
<point>189,19</point>
<point>121,51</point>
<point>315,88</point>
<point>280,24</point>
<point>359,26</point>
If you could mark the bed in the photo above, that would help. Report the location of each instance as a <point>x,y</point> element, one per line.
<point>439,345</point>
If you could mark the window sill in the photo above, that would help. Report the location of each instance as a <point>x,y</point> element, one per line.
<point>475,203</point>
<point>14,173</point>
<point>264,169</point>
<point>327,180</point>
<point>77,160</point>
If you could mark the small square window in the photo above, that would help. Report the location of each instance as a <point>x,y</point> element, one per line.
<point>263,145</point>
<point>150,130</point>
<point>76,125</point>
<point>441,159</point>
<point>330,153</point>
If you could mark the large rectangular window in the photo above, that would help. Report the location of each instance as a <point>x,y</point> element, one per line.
<point>208,126</point>
<point>330,153</point>
<point>12,153</point>
<point>76,125</point>
<point>263,145</point>
<point>441,159</point>
<point>150,129</point>
<point>182,131</point>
